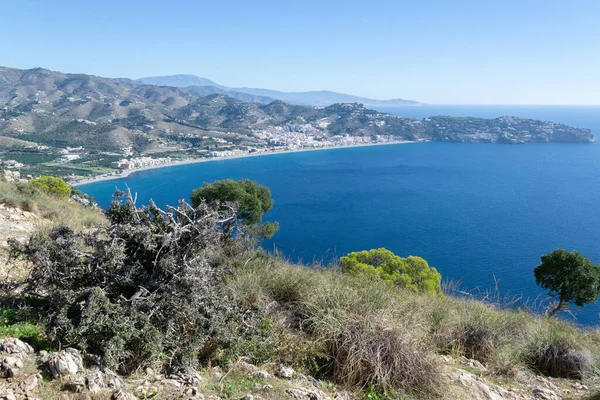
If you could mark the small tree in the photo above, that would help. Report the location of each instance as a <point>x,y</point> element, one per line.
<point>411,272</point>
<point>54,186</point>
<point>570,277</point>
<point>253,200</point>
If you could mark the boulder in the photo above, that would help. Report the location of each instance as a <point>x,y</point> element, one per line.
<point>14,346</point>
<point>122,395</point>
<point>306,394</point>
<point>30,383</point>
<point>285,372</point>
<point>544,394</point>
<point>66,362</point>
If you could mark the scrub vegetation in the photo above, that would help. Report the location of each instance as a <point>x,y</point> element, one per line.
<point>186,288</point>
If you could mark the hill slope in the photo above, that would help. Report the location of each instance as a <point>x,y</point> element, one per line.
<point>43,112</point>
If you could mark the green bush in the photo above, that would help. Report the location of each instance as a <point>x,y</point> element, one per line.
<point>412,272</point>
<point>54,186</point>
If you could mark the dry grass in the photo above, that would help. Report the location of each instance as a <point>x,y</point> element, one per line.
<point>29,198</point>
<point>387,338</point>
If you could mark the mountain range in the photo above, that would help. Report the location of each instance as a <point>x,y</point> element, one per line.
<point>40,107</point>
<point>314,98</point>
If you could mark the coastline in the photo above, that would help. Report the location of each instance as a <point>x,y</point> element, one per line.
<point>127,173</point>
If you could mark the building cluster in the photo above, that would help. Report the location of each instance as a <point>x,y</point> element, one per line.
<point>11,164</point>
<point>140,162</point>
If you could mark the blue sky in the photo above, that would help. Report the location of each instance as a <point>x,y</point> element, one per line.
<point>444,52</point>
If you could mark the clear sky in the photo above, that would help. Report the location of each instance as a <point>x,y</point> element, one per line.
<point>438,51</point>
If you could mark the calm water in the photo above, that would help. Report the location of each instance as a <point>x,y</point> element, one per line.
<point>477,212</point>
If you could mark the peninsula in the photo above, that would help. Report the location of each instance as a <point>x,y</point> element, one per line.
<point>81,126</point>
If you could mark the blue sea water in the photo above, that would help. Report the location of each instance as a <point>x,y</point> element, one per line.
<point>481,214</point>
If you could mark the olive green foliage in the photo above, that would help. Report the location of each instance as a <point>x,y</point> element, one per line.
<point>146,289</point>
<point>54,186</point>
<point>570,277</point>
<point>412,272</point>
<point>253,201</point>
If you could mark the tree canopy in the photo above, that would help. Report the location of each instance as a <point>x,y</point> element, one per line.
<point>570,277</point>
<point>253,201</point>
<point>411,272</point>
<point>54,186</point>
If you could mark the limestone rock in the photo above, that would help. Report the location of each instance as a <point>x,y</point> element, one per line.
<point>285,372</point>
<point>14,346</point>
<point>544,394</point>
<point>122,395</point>
<point>66,362</point>
<point>30,383</point>
<point>247,397</point>
<point>306,394</point>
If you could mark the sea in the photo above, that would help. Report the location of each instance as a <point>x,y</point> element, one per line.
<point>482,214</point>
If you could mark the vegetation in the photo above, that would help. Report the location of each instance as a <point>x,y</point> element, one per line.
<point>252,199</point>
<point>412,272</point>
<point>53,186</point>
<point>28,197</point>
<point>164,301</point>
<point>183,287</point>
<point>569,276</point>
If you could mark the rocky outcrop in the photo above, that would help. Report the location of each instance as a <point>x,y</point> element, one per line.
<point>66,362</point>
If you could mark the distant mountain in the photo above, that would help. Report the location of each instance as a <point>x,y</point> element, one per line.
<point>179,81</point>
<point>265,96</point>
<point>206,90</point>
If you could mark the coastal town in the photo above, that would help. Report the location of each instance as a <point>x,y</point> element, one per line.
<point>276,140</point>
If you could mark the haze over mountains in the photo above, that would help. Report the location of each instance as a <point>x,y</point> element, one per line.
<point>313,98</point>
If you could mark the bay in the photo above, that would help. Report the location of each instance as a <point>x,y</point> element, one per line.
<point>482,214</point>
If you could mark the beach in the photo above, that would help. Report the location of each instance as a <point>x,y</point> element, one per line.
<point>126,173</point>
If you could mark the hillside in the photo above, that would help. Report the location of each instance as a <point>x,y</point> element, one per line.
<point>270,329</point>
<point>79,125</point>
<point>313,98</point>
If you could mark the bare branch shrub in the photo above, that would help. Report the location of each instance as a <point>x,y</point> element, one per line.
<point>147,288</point>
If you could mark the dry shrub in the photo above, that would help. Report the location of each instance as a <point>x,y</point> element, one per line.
<point>387,357</point>
<point>30,205</point>
<point>556,351</point>
<point>478,331</point>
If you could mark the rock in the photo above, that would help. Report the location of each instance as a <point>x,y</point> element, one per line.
<point>122,395</point>
<point>76,384</point>
<point>13,362</point>
<point>173,382</point>
<point>285,372</point>
<point>578,386</point>
<point>446,358</point>
<point>65,362</point>
<point>303,394</point>
<point>472,363</point>
<point>85,397</point>
<point>544,394</point>
<point>190,392</point>
<point>44,356</point>
<point>478,389</point>
<point>112,380</point>
<point>94,380</point>
<point>30,383</point>
<point>262,374</point>
<point>247,397</point>
<point>267,388</point>
<point>14,346</point>
<point>7,394</point>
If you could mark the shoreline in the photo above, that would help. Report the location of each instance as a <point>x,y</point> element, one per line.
<point>127,173</point>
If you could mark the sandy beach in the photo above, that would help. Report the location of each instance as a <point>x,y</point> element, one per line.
<point>126,173</point>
